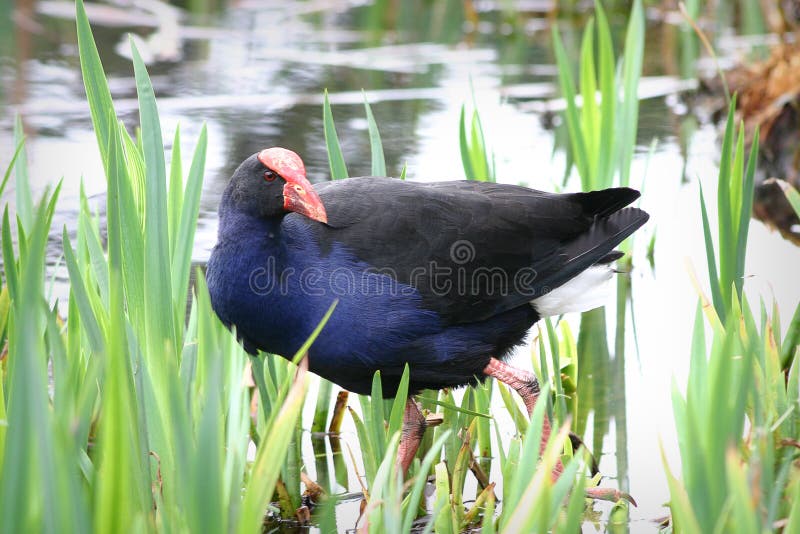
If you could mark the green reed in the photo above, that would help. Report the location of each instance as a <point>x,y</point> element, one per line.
<point>602,124</point>
<point>477,160</point>
<point>145,424</point>
<point>739,415</point>
<point>734,205</point>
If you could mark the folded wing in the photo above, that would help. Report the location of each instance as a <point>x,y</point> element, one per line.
<point>475,249</point>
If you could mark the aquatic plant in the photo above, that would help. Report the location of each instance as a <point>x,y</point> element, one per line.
<point>119,411</point>
<point>146,425</point>
<point>602,124</point>
<point>737,420</point>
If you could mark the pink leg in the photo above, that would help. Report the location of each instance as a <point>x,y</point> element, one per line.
<point>527,386</point>
<point>522,382</point>
<point>414,426</point>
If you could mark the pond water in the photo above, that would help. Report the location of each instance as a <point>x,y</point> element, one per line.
<point>255,72</point>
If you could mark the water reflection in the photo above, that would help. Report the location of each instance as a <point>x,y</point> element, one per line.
<point>255,72</point>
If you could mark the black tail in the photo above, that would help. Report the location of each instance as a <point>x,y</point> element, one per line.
<point>596,245</point>
<point>600,204</point>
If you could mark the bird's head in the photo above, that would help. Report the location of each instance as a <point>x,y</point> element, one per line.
<point>274,182</point>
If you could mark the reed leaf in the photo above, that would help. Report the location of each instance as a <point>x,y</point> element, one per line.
<point>266,467</point>
<point>24,199</point>
<point>375,144</point>
<point>95,83</point>
<point>335,156</point>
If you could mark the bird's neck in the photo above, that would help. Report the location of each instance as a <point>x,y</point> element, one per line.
<point>238,225</point>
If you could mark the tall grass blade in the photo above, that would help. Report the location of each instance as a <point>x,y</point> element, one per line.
<point>444,520</point>
<point>121,493</point>
<point>11,165</point>
<point>24,205</point>
<point>324,391</point>
<point>335,156</point>
<point>188,211</point>
<point>411,503</point>
<point>791,195</point>
<point>375,144</point>
<point>399,404</point>
<point>631,73</point>
<point>31,429</point>
<point>606,156</point>
<point>577,140</point>
<point>683,517</point>
<point>95,83</point>
<point>175,190</point>
<point>590,114</point>
<point>466,160</point>
<point>724,211</point>
<point>158,282</point>
<point>711,260</point>
<point>89,313</point>
<point>266,467</point>
<point>9,257</point>
<point>746,206</point>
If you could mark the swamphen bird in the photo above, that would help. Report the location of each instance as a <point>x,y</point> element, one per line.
<point>446,277</point>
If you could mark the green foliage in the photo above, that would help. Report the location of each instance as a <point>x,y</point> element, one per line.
<point>602,128</point>
<point>375,144</point>
<point>146,426</point>
<point>560,369</point>
<point>374,432</point>
<point>323,403</point>
<point>145,423</point>
<point>24,204</point>
<point>738,408</point>
<point>335,157</point>
<point>532,501</point>
<point>31,491</point>
<point>478,164</point>
<point>601,119</point>
<point>734,205</point>
<point>333,147</point>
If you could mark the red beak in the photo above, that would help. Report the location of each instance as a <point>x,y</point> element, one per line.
<point>298,195</point>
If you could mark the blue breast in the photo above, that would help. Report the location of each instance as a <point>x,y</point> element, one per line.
<point>273,283</point>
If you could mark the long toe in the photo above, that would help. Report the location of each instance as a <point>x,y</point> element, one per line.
<point>414,425</point>
<point>609,494</point>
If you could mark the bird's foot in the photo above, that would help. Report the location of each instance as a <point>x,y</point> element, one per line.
<point>523,382</point>
<point>414,425</point>
<point>526,385</point>
<point>609,494</point>
<point>433,419</point>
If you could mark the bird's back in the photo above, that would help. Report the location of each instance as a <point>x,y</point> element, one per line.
<point>451,269</point>
<point>475,249</point>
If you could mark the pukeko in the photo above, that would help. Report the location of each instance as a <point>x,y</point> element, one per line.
<point>446,277</point>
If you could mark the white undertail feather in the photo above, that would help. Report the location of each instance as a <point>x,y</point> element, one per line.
<point>587,291</point>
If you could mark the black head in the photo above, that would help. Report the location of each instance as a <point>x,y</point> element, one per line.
<point>273,182</point>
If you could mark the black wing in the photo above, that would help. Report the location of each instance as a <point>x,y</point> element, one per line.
<point>475,249</point>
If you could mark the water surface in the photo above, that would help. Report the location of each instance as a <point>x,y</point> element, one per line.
<point>255,72</point>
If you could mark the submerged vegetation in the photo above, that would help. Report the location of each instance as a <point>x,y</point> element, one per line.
<point>120,409</point>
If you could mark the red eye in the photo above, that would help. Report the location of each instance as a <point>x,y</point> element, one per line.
<point>269,176</point>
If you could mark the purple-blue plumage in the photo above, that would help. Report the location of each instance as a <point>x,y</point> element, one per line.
<point>269,278</point>
<point>440,276</point>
